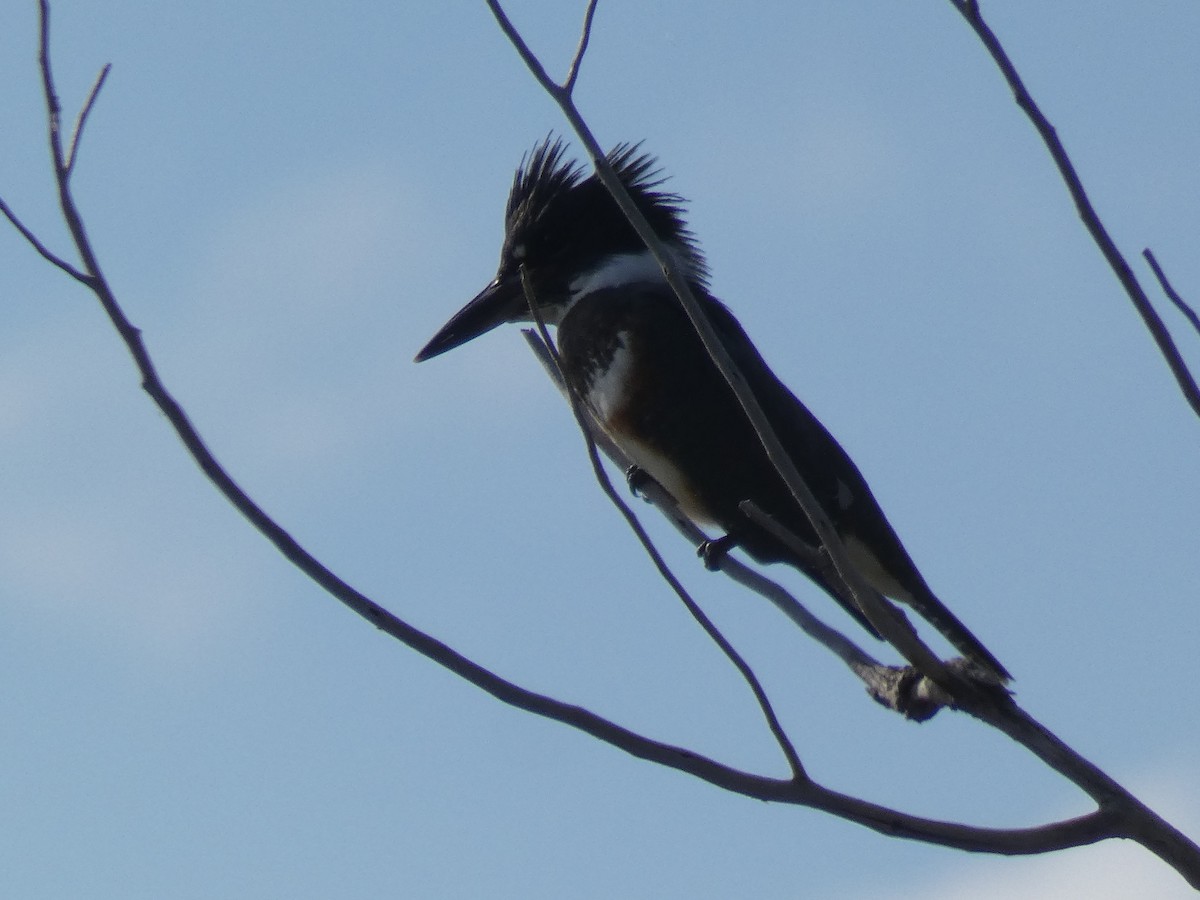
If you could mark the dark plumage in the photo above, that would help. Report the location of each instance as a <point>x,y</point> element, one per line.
<point>630,351</point>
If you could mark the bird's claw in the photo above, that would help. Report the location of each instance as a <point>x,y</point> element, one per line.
<point>714,551</point>
<point>638,480</point>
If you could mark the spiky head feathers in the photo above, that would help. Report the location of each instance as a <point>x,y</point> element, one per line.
<point>559,217</point>
<point>568,234</point>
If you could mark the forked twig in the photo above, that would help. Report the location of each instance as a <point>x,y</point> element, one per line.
<point>1172,295</point>
<point>583,421</point>
<point>969,9</point>
<point>585,35</point>
<point>81,121</point>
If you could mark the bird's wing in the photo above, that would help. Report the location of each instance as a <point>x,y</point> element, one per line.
<point>843,493</point>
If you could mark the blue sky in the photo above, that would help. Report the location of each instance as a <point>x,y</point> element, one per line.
<point>289,198</point>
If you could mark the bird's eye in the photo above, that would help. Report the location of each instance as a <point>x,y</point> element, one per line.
<point>518,252</point>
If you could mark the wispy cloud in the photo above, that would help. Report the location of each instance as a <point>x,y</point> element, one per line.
<point>1112,870</point>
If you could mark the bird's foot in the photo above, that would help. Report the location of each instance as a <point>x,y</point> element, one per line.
<point>714,551</point>
<point>638,480</point>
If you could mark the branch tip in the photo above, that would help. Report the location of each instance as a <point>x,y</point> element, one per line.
<point>84,112</point>
<point>1172,295</point>
<point>585,35</point>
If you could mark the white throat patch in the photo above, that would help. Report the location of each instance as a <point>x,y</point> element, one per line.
<point>619,271</point>
<point>622,270</point>
<point>627,269</point>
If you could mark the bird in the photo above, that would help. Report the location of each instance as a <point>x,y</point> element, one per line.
<point>629,351</point>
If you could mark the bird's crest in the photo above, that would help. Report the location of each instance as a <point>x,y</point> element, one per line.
<point>546,176</point>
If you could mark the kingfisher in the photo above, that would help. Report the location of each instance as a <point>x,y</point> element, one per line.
<point>628,350</point>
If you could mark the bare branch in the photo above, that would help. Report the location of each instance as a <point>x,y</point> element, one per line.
<point>1091,220</point>
<point>40,247</point>
<point>1088,829</point>
<point>586,428</point>
<point>584,36</point>
<point>879,616</point>
<point>81,121</point>
<point>53,111</point>
<point>902,689</point>
<point>908,643</point>
<point>1180,303</point>
<point>53,107</point>
<point>531,61</point>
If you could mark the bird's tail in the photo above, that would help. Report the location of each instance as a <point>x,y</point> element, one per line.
<point>920,599</point>
<point>933,611</point>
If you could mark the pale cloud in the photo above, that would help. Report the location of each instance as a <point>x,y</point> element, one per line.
<point>1111,870</point>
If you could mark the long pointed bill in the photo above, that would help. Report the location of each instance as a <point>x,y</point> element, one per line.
<point>501,301</point>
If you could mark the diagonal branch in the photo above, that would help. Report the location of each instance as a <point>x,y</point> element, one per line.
<point>582,419</point>
<point>53,107</point>
<point>41,248</point>
<point>877,613</point>
<point>1162,337</point>
<point>1172,295</point>
<point>81,121</point>
<point>901,689</point>
<point>584,36</point>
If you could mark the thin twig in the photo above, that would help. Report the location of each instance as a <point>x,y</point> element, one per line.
<point>53,107</point>
<point>849,652</point>
<point>902,690</point>
<point>1087,213</point>
<point>583,421</point>
<point>81,121</point>
<point>878,615</point>
<point>514,37</point>
<point>909,645</point>
<point>1180,303</point>
<point>584,36</point>
<point>40,247</point>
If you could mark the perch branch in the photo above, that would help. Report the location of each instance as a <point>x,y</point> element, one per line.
<point>901,689</point>
<point>877,613</point>
<point>582,420</point>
